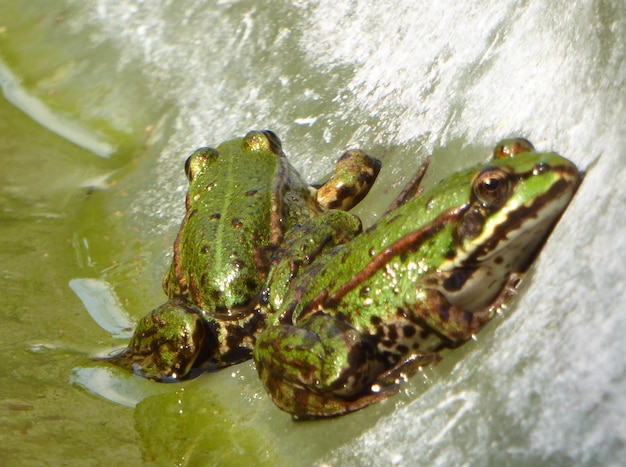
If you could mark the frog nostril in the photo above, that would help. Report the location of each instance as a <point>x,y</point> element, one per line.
<point>540,168</point>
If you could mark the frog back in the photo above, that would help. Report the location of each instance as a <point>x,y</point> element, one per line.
<point>242,197</point>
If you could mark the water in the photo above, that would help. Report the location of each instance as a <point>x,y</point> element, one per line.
<point>145,85</point>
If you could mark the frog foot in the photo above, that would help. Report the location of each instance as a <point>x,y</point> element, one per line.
<point>167,343</point>
<point>390,381</point>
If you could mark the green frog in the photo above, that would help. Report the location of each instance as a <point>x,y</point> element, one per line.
<point>356,320</point>
<point>242,198</point>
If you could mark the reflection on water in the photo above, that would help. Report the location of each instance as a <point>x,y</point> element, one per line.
<point>114,385</point>
<point>103,306</point>
<point>71,130</point>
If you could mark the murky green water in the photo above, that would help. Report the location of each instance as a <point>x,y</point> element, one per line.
<point>45,331</point>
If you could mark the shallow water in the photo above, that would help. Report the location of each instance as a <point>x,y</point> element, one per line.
<point>92,192</point>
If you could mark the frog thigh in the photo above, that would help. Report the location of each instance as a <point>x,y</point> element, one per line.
<point>167,342</point>
<point>319,368</point>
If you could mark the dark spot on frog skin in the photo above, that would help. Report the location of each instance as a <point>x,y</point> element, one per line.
<point>499,260</point>
<point>343,192</point>
<point>216,216</point>
<point>403,349</point>
<point>341,316</point>
<point>251,192</point>
<point>444,313</point>
<point>450,254</point>
<point>457,279</point>
<point>331,303</point>
<point>221,309</point>
<point>376,320</point>
<point>409,331</point>
<point>364,291</point>
<point>472,224</point>
<point>252,285</point>
<point>468,316</point>
<point>366,177</point>
<point>205,249</point>
<point>236,222</point>
<point>235,336</point>
<point>392,333</point>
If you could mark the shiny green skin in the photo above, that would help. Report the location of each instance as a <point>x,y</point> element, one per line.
<point>235,219</point>
<point>429,275</point>
<point>242,198</point>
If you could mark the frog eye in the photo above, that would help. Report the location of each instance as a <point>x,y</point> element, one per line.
<point>198,160</point>
<point>492,186</point>
<point>262,141</point>
<point>512,147</point>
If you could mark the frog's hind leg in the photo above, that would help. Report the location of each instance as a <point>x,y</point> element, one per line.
<point>305,404</point>
<point>322,367</point>
<point>167,343</point>
<point>354,175</point>
<point>411,190</point>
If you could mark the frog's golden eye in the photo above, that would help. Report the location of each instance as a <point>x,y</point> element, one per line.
<point>198,160</point>
<point>512,147</point>
<point>265,140</point>
<point>256,141</point>
<point>492,186</point>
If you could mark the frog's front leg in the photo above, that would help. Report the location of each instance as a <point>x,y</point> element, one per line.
<point>322,367</point>
<point>454,323</point>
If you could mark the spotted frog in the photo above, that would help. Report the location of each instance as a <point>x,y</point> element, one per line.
<point>243,196</point>
<point>349,325</point>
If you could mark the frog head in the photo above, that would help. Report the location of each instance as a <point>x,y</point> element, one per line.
<point>512,205</point>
